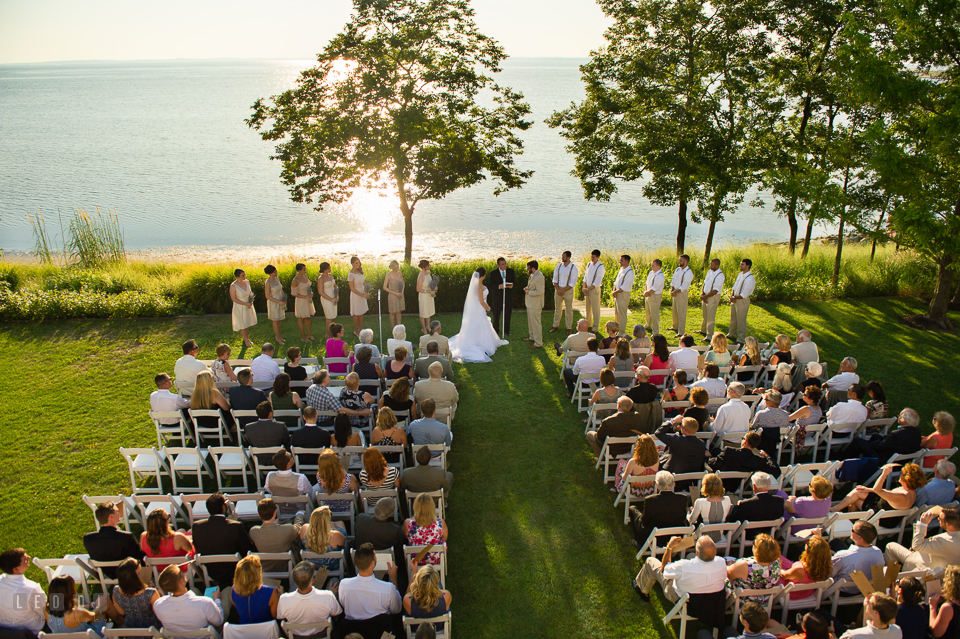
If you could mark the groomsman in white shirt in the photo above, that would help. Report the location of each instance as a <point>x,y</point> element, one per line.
<point>680,291</point>
<point>622,287</point>
<point>564,279</point>
<point>592,281</point>
<point>740,301</point>
<point>652,296</point>
<point>710,299</point>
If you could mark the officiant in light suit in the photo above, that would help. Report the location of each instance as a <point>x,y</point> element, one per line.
<point>536,286</point>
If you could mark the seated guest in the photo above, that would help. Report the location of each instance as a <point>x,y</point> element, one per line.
<point>900,498</point>
<point>254,602</point>
<point>815,564</point>
<point>310,436</point>
<point>206,397</point>
<point>761,571</point>
<point>368,371</point>
<point>913,614</point>
<point>321,536</point>
<point>272,536</point>
<point>812,507</point>
<point>443,344</point>
<point>356,401</point>
<point>705,573</point>
<point>399,339</point>
<point>345,434</point>
<point>245,396</point>
<point>366,340</point>
<point>398,367</point>
<point>364,596</point>
<point>769,420</point>
<point>804,351</point>
<point>624,423</point>
<point>765,504</point>
<point>187,367</point>
<point>837,386</point>
<point>283,482</point>
<point>750,356</point>
<point>292,366</point>
<point>644,463</point>
<point>589,365</point>
<point>665,509</point>
<point>282,398</point>
<point>388,433</point>
<point>640,340</point>
<point>320,397</point>
<point>422,365</point>
<point>428,430</point>
<point>944,423</point>
<point>783,354</point>
<point>783,383</point>
<point>181,610</point>
<point>677,393</point>
<point>903,440</point>
<point>378,528</point>
<point>263,367</point>
<point>713,506</point>
<point>808,413</point>
<point>749,458</point>
<point>877,405</point>
<point>940,490</point>
<point>643,392</point>
<point>622,360</point>
<point>719,352</point>
<point>938,551</point>
<point>376,475</point>
<point>879,613</point>
<point>266,432</point>
<point>575,342</point>
<point>332,479</point>
<point>685,357</point>
<point>443,393</point>
<point>712,382</point>
<point>425,598</point>
<point>160,540</point>
<point>424,527</point>
<point>945,608</point>
<point>62,613</point>
<point>852,412</point>
<point>163,401</point>
<point>811,376</point>
<point>338,348</point>
<point>424,478</point>
<point>734,416</point>
<point>861,556</point>
<point>699,397</point>
<point>218,535</point>
<point>16,590</point>
<point>613,331</point>
<point>306,604</point>
<point>109,543</point>
<point>754,618</point>
<point>133,599</point>
<point>398,398</point>
<point>658,359</point>
<point>685,452</point>
<point>608,393</point>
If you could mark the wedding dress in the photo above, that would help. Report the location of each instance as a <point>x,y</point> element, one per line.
<point>477,339</point>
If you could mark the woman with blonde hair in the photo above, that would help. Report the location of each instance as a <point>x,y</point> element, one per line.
<point>749,357</point>
<point>254,602</point>
<point>332,479</point>
<point>760,572</point>
<point>719,352</point>
<point>713,505</point>
<point>276,301</point>
<point>206,397</point>
<point>222,372</point>
<point>945,607</point>
<point>877,497</point>
<point>425,598</point>
<point>815,564</point>
<point>244,315</point>
<point>327,290</point>
<point>425,295</point>
<point>645,462</point>
<point>815,506</point>
<point>356,280</point>
<point>376,474</point>
<point>425,527</point>
<point>393,286</point>
<point>782,355</point>
<point>622,359</point>
<point>398,398</point>
<point>161,540</point>
<point>321,536</point>
<point>387,433</point>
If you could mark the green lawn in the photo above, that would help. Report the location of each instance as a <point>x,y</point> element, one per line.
<point>536,548</point>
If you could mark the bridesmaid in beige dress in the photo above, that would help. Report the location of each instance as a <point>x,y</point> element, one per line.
<point>393,285</point>
<point>327,289</point>
<point>303,304</point>
<point>244,315</point>
<point>425,296</point>
<point>358,294</point>
<point>276,300</point>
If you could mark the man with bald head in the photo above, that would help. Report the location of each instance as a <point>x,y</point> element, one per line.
<point>442,392</point>
<point>576,342</point>
<point>624,423</point>
<point>703,574</point>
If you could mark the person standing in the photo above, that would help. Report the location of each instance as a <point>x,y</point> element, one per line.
<point>244,316</point>
<point>425,295</point>
<point>622,288</point>
<point>533,293</point>
<point>276,300</point>
<point>592,282</point>
<point>652,295</point>
<point>393,287</point>
<point>564,278</point>
<point>501,294</point>
<point>358,294</point>
<point>740,301</point>
<point>327,289</point>
<point>710,299</point>
<point>679,290</point>
<point>303,305</point>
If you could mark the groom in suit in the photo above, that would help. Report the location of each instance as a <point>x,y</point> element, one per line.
<point>501,284</point>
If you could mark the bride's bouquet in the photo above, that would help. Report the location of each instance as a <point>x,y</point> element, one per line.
<point>336,291</point>
<point>434,282</point>
<point>366,288</point>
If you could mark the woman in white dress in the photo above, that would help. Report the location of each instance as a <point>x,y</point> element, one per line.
<point>425,296</point>
<point>327,289</point>
<point>276,300</point>
<point>303,307</point>
<point>244,316</point>
<point>477,339</point>
<point>358,294</point>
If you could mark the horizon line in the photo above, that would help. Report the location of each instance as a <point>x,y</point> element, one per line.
<point>229,59</point>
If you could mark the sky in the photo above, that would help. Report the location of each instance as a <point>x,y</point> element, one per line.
<point>61,30</point>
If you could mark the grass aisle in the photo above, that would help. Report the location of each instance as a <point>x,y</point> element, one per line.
<point>536,548</point>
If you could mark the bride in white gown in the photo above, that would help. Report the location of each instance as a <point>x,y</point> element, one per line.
<point>477,339</point>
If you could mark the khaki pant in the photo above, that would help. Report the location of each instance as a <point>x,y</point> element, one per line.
<point>622,308</point>
<point>594,444</point>
<point>680,301</point>
<point>561,301</point>
<point>652,307</point>
<point>909,559</point>
<point>738,318</point>
<point>709,308</point>
<point>651,574</point>
<point>535,321</point>
<point>593,309</point>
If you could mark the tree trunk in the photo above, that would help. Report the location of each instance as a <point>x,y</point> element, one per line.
<point>706,250</point>
<point>792,221</point>
<point>883,212</point>
<point>941,298</point>
<point>956,296</point>
<point>806,238</point>
<point>407,211</point>
<point>682,226</point>
<point>836,260</point>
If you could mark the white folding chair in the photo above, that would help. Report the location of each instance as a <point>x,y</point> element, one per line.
<point>230,461</point>
<point>798,478</point>
<point>244,506</point>
<point>607,459</point>
<point>410,624</point>
<point>879,425</point>
<point>339,500</point>
<point>837,598</point>
<point>840,525</point>
<point>65,567</point>
<point>195,507</point>
<point>315,629</point>
<point>595,415</point>
<point>260,468</point>
<point>438,454</point>
<point>169,431</point>
<point>742,535</point>
<point>146,504</point>
<point>726,530</point>
<point>437,500</point>
<point>238,415</point>
<point>837,437</point>
<point>94,570</point>
<point>124,503</point>
<point>306,469</point>
<point>144,464</point>
<point>786,529</point>
<point>769,594</point>
<point>157,564</point>
<point>132,632</point>
<point>397,450</point>
<point>276,557</point>
<point>202,561</point>
<point>626,494</point>
<point>409,552</point>
<point>901,517</point>
<point>568,359</point>
<point>732,375</point>
<point>946,453</point>
<point>650,546</point>
<point>336,572</point>
<point>741,476</point>
<point>288,506</point>
<point>812,441</point>
<point>68,635</point>
<point>679,612</point>
<point>811,601</point>
<point>369,498</point>
<point>217,431</point>
<point>582,391</point>
<point>186,462</point>
<point>209,631</point>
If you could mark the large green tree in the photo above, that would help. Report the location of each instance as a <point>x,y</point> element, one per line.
<point>396,98</point>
